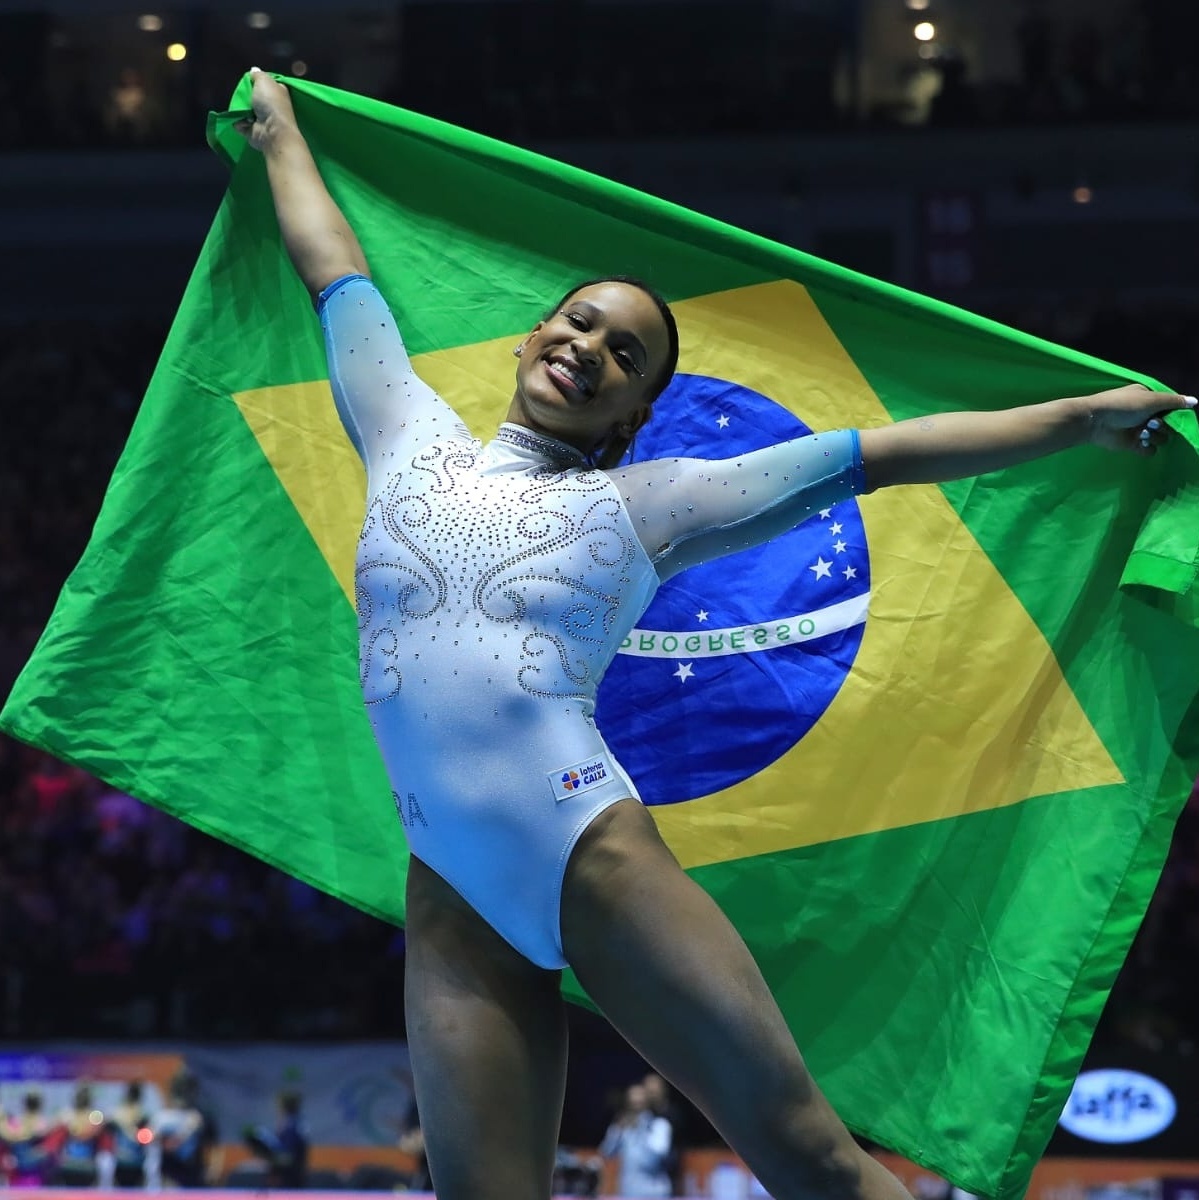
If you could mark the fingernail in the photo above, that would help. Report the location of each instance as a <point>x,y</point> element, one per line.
<point>1154,423</point>
<point>253,69</point>
<point>1145,437</point>
<point>1192,402</point>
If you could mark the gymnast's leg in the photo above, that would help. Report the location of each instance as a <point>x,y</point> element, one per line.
<point>674,977</point>
<point>487,1034</point>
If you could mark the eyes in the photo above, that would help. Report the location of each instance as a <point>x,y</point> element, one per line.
<point>623,358</point>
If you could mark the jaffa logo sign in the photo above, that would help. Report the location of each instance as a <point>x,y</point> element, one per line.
<point>1115,1106</point>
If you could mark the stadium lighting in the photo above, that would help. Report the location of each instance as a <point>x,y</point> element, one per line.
<point>925,31</point>
<point>176,52</point>
<point>917,5</point>
<point>299,68</point>
<point>149,22</point>
<point>258,20</point>
<point>1082,194</point>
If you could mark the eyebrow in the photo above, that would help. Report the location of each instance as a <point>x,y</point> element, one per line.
<point>595,311</point>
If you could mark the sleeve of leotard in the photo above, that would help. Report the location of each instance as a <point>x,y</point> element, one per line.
<point>689,510</point>
<point>381,400</point>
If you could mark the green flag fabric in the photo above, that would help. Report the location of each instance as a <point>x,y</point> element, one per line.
<point>935,796</point>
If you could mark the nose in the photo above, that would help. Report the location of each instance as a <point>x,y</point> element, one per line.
<point>585,347</point>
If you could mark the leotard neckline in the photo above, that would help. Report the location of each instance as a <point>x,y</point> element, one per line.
<point>560,454</point>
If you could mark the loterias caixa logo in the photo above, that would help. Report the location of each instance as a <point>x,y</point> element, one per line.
<point>737,659</point>
<point>581,777</point>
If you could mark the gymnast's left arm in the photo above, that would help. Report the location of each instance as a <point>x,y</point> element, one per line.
<point>687,510</point>
<point>957,445</point>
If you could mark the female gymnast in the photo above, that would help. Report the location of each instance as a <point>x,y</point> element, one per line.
<point>494,585</point>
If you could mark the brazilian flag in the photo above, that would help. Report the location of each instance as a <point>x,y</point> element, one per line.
<point>926,750</point>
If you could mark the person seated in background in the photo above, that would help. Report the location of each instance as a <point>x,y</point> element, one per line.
<point>27,1139</point>
<point>183,1138</point>
<point>129,1140</point>
<point>662,1103</point>
<point>412,1141</point>
<point>641,1142</point>
<point>79,1138</point>
<point>285,1148</point>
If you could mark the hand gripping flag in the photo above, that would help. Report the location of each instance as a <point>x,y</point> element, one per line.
<point>926,750</point>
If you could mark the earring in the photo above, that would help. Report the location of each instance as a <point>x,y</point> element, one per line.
<point>518,350</point>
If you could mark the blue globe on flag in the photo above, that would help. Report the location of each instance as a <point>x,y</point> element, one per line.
<point>737,659</point>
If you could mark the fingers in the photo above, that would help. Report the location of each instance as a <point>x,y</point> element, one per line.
<point>1151,435</point>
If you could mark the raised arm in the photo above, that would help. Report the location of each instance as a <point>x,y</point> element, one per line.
<point>319,240</point>
<point>958,445</point>
<point>384,405</point>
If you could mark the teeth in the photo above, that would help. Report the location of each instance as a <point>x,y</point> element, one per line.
<point>574,377</point>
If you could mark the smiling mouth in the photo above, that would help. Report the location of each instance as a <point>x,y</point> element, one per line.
<point>568,379</point>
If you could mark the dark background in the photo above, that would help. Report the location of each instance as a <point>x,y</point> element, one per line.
<point>1037,162</point>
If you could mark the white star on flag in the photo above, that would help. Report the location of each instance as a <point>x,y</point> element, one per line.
<point>825,513</point>
<point>839,546</point>
<point>821,568</point>
<point>702,615</point>
<point>835,528</point>
<point>851,572</point>
<point>684,672</point>
<point>722,421</point>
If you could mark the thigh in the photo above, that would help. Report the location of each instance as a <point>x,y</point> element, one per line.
<point>487,1035</point>
<point>675,978</point>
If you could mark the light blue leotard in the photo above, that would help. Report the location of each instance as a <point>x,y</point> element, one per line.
<point>495,584</point>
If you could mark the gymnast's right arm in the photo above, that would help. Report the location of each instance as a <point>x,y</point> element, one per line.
<point>383,404</point>
<point>319,240</point>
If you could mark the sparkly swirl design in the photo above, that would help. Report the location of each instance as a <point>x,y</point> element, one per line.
<point>589,611</point>
<point>446,462</point>
<point>399,513</point>
<point>393,523</point>
<point>381,645</point>
<point>533,678</point>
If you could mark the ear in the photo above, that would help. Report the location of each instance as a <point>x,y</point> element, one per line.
<point>634,422</point>
<point>519,349</point>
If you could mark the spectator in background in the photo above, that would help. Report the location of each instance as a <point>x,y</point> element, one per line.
<point>27,1138</point>
<point>129,1140</point>
<point>184,1137</point>
<point>661,1101</point>
<point>79,1138</point>
<point>641,1141</point>
<point>285,1148</point>
<point>412,1141</point>
<point>127,115</point>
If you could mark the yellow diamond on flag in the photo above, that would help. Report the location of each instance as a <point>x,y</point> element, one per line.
<point>955,702</point>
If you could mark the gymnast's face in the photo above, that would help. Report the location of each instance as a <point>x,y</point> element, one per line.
<point>591,367</point>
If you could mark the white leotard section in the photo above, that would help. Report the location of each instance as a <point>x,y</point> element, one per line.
<point>495,584</point>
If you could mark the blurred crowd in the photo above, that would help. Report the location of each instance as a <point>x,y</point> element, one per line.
<point>724,69</point>
<point>175,1144</point>
<point>82,1146</point>
<point>135,1143</point>
<point>119,920</point>
<point>1077,70</point>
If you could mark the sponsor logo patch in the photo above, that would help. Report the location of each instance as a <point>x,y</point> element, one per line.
<point>579,777</point>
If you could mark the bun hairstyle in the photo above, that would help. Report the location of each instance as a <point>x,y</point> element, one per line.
<point>614,447</point>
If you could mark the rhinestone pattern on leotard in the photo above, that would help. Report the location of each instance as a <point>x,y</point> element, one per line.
<point>476,538</point>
